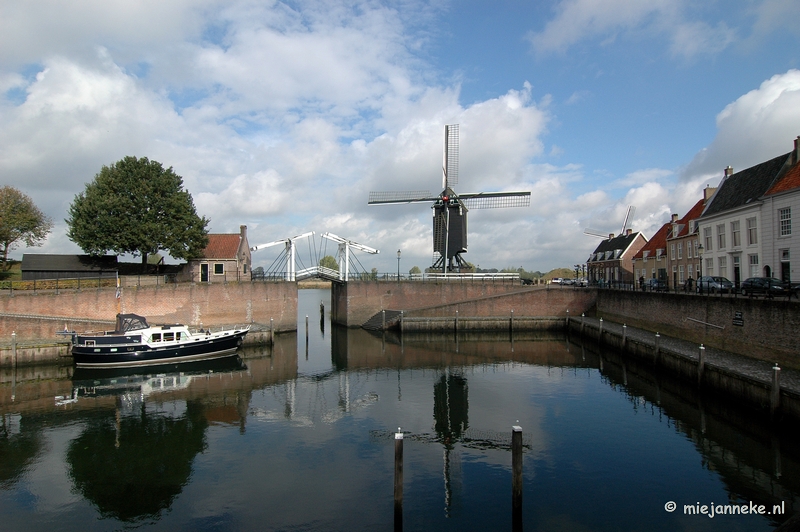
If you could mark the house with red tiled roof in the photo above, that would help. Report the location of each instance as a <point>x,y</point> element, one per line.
<point>650,262</point>
<point>226,258</point>
<point>683,246</point>
<point>781,240</point>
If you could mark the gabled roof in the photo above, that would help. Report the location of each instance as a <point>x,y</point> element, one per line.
<point>658,241</point>
<point>45,262</point>
<point>693,214</point>
<point>790,181</point>
<point>746,186</point>
<point>614,247</point>
<point>222,246</point>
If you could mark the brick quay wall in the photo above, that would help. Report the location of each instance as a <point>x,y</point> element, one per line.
<point>356,302</point>
<point>40,315</point>
<point>766,329</point>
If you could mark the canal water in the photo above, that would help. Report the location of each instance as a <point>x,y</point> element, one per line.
<point>301,438</point>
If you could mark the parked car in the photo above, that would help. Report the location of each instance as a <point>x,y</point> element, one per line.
<point>556,280</point>
<point>567,281</point>
<point>712,284</point>
<point>655,285</point>
<point>583,281</point>
<point>766,286</point>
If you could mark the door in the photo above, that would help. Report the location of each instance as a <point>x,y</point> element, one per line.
<point>204,273</point>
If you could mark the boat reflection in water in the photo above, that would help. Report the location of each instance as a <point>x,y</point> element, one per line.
<point>133,461</point>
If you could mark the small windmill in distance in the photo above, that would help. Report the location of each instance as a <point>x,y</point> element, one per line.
<point>450,209</point>
<point>599,234</point>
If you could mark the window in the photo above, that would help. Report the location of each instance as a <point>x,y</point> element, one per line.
<point>689,249</point>
<point>697,248</point>
<point>722,263</point>
<point>672,252</point>
<point>219,268</point>
<point>697,271</point>
<point>736,234</point>
<point>707,237</point>
<point>680,273</point>
<point>785,216</point>
<point>169,337</point>
<point>156,337</point>
<point>721,236</point>
<point>680,250</point>
<point>244,266</point>
<point>753,260</point>
<point>752,232</point>
<point>710,267</point>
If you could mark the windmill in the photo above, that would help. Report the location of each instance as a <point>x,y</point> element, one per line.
<point>450,209</point>
<point>599,234</point>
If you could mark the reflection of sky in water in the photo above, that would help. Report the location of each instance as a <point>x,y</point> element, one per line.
<point>315,449</point>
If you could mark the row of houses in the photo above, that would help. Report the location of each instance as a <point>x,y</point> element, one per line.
<point>225,258</point>
<point>741,228</point>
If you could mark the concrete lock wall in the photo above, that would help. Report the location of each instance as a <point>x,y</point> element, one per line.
<point>355,302</point>
<point>758,328</point>
<point>40,315</point>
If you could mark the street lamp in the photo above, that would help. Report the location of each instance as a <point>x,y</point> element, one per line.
<point>398,265</point>
<point>700,251</point>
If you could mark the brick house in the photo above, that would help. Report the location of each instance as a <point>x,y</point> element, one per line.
<point>612,261</point>
<point>226,258</point>
<point>650,262</point>
<point>683,245</point>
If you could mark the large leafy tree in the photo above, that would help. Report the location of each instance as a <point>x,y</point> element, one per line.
<point>20,221</point>
<point>136,206</point>
<point>329,262</point>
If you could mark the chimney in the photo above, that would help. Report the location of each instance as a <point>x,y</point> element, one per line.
<point>628,232</point>
<point>610,236</point>
<point>796,152</point>
<point>707,193</point>
<point>243,231</point>
<point>674,218</point>
<point>728,171</point>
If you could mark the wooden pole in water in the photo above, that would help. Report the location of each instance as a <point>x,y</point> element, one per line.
<point>13,349</point>
<point>271,332</point>
<point>398,479</point>
<point>624,335</point>
<point>775,391</point>
<point>658,349</point>
<point>516,480</point>
<point>701,363</point>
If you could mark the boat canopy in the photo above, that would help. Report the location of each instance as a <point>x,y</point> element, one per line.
<point>130,322</point>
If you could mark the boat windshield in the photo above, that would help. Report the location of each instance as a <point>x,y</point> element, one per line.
<point>130,322</point>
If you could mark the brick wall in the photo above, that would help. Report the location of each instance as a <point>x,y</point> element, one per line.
<point>355,302</point>
<point>193,304</point>
<point>768,332</point>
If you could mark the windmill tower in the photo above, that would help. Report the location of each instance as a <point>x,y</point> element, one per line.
<point>450,209</point>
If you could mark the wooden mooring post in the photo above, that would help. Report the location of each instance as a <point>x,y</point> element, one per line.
<point>624,335</point>
<point>657,350</point>
<point>271,332</point>
<point>516,480</point>
<point>775,390</point>
<point>398,479</point>
<point>13,350</point>
<point>701,363</point>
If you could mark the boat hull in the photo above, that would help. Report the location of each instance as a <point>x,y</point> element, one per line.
<point>141,354</point>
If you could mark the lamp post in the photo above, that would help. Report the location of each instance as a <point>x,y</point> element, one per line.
<point>700,251</point>
<point>398,265</point>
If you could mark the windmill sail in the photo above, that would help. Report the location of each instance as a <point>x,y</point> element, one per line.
<point>410,196</point>
<point>450,162</point>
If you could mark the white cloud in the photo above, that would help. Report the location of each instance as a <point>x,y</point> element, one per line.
<point>758,126</point>
<point>577,21</point>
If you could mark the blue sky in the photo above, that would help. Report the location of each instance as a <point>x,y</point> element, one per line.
<point>283,116</point>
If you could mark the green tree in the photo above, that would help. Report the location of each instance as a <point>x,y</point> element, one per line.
<point>329,262</point>
<point>20,221</point>
<point>415,270</point>
<point>136,206</point>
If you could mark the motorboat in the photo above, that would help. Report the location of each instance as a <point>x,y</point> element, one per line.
<point>135,343</point>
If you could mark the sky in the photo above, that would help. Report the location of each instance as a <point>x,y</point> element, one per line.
<point>283,116</point>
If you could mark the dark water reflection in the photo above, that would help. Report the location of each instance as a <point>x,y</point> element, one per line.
<point>301,437</point>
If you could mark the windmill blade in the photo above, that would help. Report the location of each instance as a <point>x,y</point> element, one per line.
<point>450,162</point>
<point>595,232</point>
<point>410,196</point>
<point>628,217</point>
<point>495,200</point>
